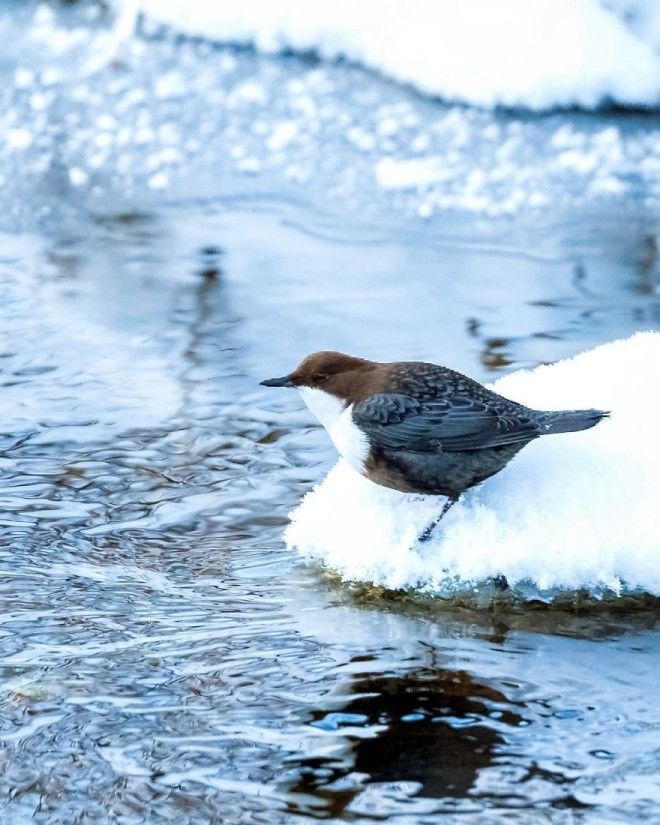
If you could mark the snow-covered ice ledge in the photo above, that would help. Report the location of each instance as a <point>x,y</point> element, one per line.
<point>536,54</point>
<point>573,511</point>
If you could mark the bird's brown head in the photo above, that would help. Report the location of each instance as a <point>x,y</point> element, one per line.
<point>341,375</point>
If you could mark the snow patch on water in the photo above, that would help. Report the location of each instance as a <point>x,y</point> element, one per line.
<point>578,510</point>
<point>91,118</point>
<point>537,54</point>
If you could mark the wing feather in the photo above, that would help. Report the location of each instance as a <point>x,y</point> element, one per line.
<point>451,422</point>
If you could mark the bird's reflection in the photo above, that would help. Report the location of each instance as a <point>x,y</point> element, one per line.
<point>438,728</point>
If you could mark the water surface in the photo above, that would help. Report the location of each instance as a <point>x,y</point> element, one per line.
<point>163,658</point>
<point>178,222</point>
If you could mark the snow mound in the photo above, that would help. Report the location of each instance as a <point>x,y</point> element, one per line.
<point>571,511</point>
<point>536,54</point>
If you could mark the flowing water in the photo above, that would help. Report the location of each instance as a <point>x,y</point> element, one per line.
<point>163,658</point>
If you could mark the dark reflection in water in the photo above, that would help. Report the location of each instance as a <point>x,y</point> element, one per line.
<point>443,750</point>
<point>207,319</point>
<point>431,728</point>
<point>162,658</point>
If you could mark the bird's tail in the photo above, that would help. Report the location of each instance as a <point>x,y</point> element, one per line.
<point>569,421</point>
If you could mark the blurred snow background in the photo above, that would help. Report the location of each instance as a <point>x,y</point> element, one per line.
<point>116,103</point>
<point>536,54</point>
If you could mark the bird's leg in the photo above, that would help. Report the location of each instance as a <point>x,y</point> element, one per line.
<point>426,534</point>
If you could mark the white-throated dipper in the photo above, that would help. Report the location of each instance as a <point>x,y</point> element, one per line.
<point>417,427</point>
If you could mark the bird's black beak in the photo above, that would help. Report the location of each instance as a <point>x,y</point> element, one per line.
<point>285,381</point>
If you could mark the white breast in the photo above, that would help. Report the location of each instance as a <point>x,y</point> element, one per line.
<point>348,438</point>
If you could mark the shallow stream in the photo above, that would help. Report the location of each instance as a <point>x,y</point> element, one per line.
<point>163,658</point>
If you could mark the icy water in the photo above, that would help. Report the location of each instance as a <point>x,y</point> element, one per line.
<point>163,658</point>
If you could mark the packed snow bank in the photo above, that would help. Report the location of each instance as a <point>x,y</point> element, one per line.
<point>536,54</point>
<point>579,510</point>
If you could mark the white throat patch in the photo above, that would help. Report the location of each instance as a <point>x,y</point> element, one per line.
<point>348,438</point>
<point>327,408</point>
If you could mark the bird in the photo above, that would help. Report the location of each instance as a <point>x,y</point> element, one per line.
<point>418,427</point>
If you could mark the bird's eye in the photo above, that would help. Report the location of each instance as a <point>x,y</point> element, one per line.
<point>319,377</point>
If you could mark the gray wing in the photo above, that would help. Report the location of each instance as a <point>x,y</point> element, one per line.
<point>458,422</point>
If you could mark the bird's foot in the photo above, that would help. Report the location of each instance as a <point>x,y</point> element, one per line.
<point>426,534</point>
